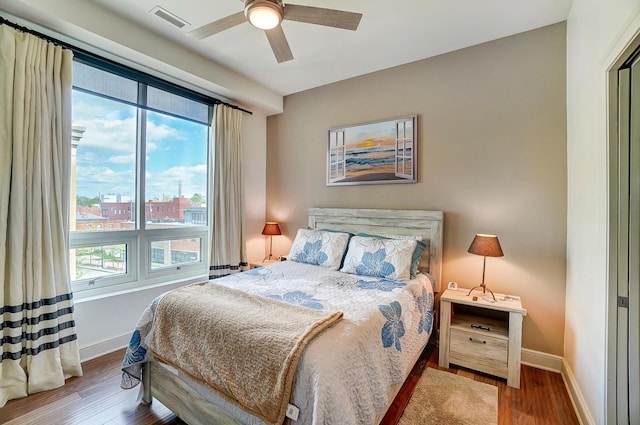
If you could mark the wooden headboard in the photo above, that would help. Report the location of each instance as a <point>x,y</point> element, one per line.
<point>420,224</point>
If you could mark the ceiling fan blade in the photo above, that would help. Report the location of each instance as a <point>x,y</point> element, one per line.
<point>218,26</point>
<point>279,44</point>
<point>321,16</point>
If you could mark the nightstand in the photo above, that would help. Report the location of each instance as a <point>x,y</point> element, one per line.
<point>256,264</point>
<point>481,335</point>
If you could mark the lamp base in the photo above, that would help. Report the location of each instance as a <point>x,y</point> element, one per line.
<point>268,257</point>
<point>484,290</point>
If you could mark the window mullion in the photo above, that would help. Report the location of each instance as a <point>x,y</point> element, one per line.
<point>142,253</point>
<point>140,155</point>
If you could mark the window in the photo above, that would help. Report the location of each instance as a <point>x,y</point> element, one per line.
<point>337,152</point>
<point>174,253</point>
<point>139,179</point>
<point>404,148</point>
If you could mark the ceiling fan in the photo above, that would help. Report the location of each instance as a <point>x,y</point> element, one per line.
<point>268,15</point>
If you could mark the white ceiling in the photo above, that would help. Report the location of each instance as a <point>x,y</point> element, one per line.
<point>391,33</point>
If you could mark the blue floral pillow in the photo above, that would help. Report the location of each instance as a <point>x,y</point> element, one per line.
<point>387,258</point>
<point>319,247</point>
<point>421,246</point>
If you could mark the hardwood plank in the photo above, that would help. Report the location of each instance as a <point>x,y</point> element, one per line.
<point>96,398</point>
<point>41,414</point>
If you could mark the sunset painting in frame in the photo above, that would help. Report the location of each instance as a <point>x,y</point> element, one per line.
<point>378,152</point>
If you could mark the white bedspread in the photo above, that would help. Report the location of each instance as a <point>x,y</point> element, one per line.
<point>346,372</point>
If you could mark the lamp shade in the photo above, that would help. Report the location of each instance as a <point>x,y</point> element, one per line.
<point>271,228</point>
<point>263,14</point>
<point>487,245</point>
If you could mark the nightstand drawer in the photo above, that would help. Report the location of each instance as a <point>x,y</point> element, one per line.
<point>480,344</point>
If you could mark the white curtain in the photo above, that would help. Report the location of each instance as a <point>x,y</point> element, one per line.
<point>227,251</point>
<point>39,343</point>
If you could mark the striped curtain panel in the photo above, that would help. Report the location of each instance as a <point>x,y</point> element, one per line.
<point>39,343</point>
<point>227,250</point>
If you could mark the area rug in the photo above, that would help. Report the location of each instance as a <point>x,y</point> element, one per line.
<point>446,398</point>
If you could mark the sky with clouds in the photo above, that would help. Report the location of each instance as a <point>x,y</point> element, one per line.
<point>176,151</point>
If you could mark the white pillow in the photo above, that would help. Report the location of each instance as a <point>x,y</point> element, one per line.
<point>386,258</point>
<point>319,247</point>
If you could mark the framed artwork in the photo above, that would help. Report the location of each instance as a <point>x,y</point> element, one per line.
<point>377,152</point>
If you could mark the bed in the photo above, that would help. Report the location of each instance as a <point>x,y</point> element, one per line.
<point>364,328</point>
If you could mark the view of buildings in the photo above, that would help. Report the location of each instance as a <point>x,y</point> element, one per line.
<point>115,212</point>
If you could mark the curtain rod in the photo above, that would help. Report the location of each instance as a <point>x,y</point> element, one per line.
<point>85,52</point>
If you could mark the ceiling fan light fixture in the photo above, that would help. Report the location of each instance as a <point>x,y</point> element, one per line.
<point>263,14</point>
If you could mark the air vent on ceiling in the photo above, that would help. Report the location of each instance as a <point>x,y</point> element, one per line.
<point>168,16</point>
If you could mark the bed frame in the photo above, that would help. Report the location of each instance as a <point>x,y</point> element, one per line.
<point>192,408</point>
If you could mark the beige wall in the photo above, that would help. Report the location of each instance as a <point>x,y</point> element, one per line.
<point>491,155</point>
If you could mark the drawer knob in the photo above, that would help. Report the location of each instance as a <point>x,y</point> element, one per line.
<point>477,340</point>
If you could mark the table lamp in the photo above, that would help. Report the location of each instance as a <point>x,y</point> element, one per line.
<point>271,229</point>
<point>487,246</point>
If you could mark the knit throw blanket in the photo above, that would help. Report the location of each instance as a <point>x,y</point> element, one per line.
<point>243,346</point>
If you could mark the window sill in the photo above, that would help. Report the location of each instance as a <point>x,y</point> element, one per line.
<point>101,293</point>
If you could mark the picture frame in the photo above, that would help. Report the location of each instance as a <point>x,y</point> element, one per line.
<point>377,152</point>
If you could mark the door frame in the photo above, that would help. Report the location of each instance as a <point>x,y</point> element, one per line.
<point>615,199</point>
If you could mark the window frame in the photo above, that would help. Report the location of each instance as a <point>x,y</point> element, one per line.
<point>79,240</point>
<point>156,235</point>
<point>139,271</point>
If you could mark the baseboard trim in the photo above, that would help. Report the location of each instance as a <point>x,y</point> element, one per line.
<point>579,404</point>
<point>93,351</point>
<point>542,360</point>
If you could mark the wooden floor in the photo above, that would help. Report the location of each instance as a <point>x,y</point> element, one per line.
<point>96,398</point>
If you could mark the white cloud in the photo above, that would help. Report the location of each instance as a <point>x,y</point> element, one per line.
<point>163,132</point>
<point>193,180</point>
<point>111,125</point>
<point>94,180</point>
<point>122,159</point>
<point>113,135</point>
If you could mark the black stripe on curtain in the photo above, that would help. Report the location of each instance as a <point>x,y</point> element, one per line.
<point>35,320</point>
<point>35,304</point>
<point>65,309</point>
<point>230,267</point>
<point>47,346</point>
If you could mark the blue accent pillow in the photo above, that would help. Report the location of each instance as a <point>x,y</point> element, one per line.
<point>319,247</point>
<point>415,258</point>
<point>379,257</point>
<point>337,231</point>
